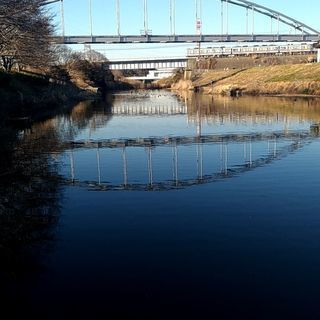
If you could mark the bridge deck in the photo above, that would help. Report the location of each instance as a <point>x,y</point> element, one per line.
<point>186,38</point>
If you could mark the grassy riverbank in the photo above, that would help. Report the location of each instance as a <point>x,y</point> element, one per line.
<point>295,79</point>
<point>34,96</point>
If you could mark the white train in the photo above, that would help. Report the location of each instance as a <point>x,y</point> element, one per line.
<point>297,48</point>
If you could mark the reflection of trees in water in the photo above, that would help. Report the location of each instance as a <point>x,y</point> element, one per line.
<point>30,187</point>
<point>251,109</point>
<point>30,195</point>
<point>85,115</point>
<point>8,138</point>
<point>91,114</point>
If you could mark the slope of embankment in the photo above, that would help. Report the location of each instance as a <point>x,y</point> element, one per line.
<point>295,79</point>
<point>35,95</point>
<point>27,95</point>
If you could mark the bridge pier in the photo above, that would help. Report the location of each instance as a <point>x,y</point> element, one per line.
<point>317,47</point>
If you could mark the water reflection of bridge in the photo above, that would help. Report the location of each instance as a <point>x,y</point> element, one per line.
<point>234,154</point>
<point>217,110</point>
<point>147,109</point>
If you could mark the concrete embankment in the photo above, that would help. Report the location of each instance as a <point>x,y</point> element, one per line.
<point>295,79</point>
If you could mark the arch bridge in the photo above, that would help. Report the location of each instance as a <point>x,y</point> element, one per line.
<point>251,11</point>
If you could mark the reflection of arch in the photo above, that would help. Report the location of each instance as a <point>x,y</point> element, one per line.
<point>246,164</point>
<point>184,140</point>
<point>273,15</point>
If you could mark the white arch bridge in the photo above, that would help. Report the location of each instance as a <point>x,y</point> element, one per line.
<point>251,12</point>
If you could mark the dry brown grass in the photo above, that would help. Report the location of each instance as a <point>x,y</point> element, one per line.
<point>283,79</point>
<point>210,77</point>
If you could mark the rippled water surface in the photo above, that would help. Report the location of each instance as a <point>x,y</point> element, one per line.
<point>157,206</point>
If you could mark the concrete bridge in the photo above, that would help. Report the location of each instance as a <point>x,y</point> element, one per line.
<point>148,63</point>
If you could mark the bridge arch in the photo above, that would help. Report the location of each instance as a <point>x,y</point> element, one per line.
<point>273,14</point>
<point>255,7</point>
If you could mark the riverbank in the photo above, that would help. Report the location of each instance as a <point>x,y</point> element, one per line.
<point>295,79</point>
<point>34,97</point>
<point>28,97</point>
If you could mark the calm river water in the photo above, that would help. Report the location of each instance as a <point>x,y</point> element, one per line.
<point>157,206</point>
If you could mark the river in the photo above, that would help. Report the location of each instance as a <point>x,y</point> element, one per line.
<point>153,205</point>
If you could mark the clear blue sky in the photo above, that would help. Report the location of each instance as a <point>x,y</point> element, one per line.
<point>104,20</point>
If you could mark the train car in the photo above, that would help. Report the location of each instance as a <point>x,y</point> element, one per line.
<point>226,51</point>
<point>272,49</point>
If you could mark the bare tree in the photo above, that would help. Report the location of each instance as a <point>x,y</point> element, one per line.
<point>93,55</point>
<point>25,31</point>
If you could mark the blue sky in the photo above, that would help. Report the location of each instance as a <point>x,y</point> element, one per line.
<point>104,20</point>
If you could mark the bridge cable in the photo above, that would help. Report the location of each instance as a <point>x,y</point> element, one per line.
<point>118,16</point>
<point>90,18</point>
<point>62,18</point>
